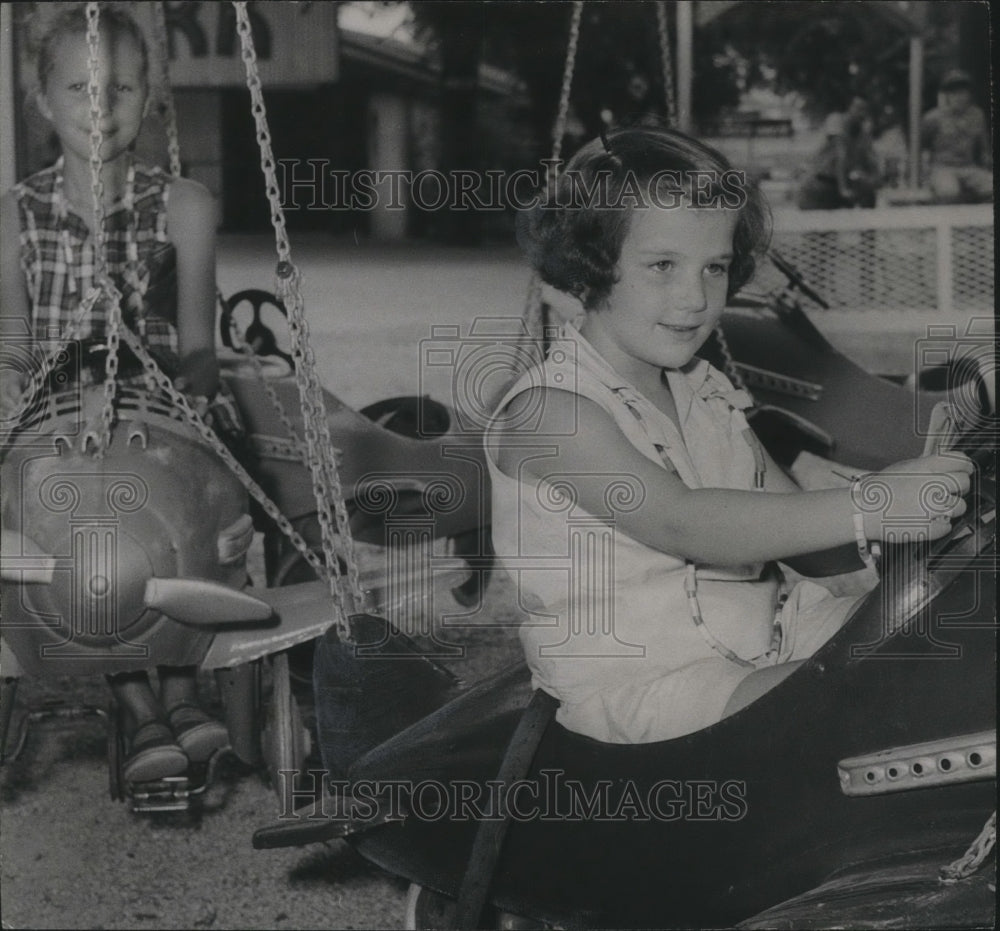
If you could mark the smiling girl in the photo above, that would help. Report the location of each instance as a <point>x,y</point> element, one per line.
<point>160,242</point>
<point>630,498</point>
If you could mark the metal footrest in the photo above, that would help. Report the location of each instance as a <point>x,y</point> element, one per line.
<point>965,758</point>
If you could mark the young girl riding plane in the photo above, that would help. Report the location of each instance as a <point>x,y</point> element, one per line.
<point>153,225</point>
<point>630,498</point>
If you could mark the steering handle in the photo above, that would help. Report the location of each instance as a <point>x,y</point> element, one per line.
<point>258,336</point>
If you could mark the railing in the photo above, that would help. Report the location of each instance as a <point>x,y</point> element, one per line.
<point>930,259</point>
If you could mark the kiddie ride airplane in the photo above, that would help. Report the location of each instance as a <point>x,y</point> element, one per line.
<point>137,557</point>
<point>835,800</point>
<point>856,793</point>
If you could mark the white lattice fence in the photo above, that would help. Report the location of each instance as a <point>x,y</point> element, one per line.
<point>893,259</point>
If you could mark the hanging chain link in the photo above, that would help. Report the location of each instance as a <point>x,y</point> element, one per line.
<point>972,859</point>
<point>169,116</point>
<point>96,137</point>
<point>532,316</point>
<point>266,383</point>
<point>181,402</point>
<point>562,114</point>
<point>168,111</point>
<point>729,366</point>
<point>666,63</point>
<point>101,275</point>
<point>321,454</point>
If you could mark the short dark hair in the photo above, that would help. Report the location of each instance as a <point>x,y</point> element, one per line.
<point>575,244</point>
<point>72,21</point>
<point>956,79</point>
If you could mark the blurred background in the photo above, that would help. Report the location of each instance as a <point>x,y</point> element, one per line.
<point>474,86</point>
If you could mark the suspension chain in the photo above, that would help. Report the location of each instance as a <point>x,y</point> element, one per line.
<point>562,114</point>
<point>96,137</point>
<point>168,112</point>
<point>247,350</point>
<point>192,416</point>
<point>665,62</point>
<point>101,276</point>
<point>972,859</point>
<point>532,315</point>
<point>169,116</point>
<point>321,455</point>
<point>729,366</point>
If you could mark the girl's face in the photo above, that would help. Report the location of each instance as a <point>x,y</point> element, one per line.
<point>673,278</point>
<point>65,102</point>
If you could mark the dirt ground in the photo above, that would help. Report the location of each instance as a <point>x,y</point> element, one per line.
<point>73,858</point>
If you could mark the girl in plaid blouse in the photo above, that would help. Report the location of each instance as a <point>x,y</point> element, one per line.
<point>160,241</point>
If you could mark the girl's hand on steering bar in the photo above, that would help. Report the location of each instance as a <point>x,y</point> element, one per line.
<point>916,494</point>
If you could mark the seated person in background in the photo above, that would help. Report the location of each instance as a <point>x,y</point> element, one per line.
<point>955,145</point>
<point>844,172</point>
<point>891,149</point>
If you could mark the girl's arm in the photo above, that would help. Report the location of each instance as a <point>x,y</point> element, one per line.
<point>191,219</point>
<point>15,312</point>
<point>834,561</point>
<point>578,441</point>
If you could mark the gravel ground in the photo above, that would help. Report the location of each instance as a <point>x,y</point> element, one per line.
<point>72,858</point>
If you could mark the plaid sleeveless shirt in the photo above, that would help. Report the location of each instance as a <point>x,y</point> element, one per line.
<point>57,257</point>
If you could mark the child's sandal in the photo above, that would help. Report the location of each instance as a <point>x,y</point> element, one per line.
<point>198,734</point>
<point>153,754</point>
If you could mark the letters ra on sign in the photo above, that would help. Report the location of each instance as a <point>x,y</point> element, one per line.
<point>296,43</point>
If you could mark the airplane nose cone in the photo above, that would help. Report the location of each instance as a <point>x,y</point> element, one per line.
<point>106,587</point>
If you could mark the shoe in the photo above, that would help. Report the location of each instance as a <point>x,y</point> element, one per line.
<point>198,734</point>
<point>153,754</point>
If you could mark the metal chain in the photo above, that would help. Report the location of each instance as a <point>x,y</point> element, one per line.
<point>181,402</point>
<point>729,366</point>
<point>665,62</point>
<point>310,395</point>
<point>532,314</point>
<point>168,112</point>
<point>972,859</point>
<point>259,112</point>
<point>247,350</point>
<point>562,114</point>
<point>101,275</point>
<point>169,117</point>
<point>96,137</point>
<point>322,461</point>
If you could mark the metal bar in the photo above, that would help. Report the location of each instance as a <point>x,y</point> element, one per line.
<point>685,59</point>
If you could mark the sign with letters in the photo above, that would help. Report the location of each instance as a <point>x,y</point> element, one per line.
<point>296,43</point>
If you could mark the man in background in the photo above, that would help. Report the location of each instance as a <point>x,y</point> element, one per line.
<point>955,145</point>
